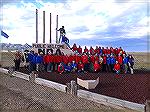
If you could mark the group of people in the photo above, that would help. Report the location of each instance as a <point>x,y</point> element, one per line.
<point>89,60</point>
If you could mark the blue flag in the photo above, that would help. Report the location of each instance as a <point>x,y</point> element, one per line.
<point>4,34</point>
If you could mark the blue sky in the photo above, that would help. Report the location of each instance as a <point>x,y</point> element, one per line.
<point>87,22</point>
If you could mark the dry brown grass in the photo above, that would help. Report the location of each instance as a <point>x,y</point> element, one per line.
<point>142,59</point>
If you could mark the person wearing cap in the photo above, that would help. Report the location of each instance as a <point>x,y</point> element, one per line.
<point>62,32</point>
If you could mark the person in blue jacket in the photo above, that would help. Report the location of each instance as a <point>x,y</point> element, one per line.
<point>108,68</point>
<point>112,62</point>
<point>65,40</point>
<point>39,62</point>
<point>68,67</point>
<point>74,66</point>
<point>125,63</point>
<point>30,56</point>
<point>33,62</point>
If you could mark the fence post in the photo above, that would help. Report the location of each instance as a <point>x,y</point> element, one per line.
<point>147,108</point>
<point>73,88</point>
<point>68,87</point>
<point>33,76</point>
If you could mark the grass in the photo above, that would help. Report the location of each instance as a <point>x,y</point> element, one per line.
<point>142,59</point>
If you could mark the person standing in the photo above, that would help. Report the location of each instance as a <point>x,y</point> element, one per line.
<point>17,60</point>
<point>131,63</point>
<point>62,32</point>
<point>117,68</point>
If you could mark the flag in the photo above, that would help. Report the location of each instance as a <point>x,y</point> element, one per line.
<point>4,34</point>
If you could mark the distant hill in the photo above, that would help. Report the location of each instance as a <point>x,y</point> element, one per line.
<point>9,46</point>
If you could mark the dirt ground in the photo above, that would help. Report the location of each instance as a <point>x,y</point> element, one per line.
<point>18,95</point>
<point>134,88</point>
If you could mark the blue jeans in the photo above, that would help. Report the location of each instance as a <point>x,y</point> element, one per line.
<point>50,67</point>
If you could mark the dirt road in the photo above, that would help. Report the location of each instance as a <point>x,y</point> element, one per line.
<point>20,95</point>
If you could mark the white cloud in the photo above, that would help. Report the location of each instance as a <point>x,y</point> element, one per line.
<point>97,17</point>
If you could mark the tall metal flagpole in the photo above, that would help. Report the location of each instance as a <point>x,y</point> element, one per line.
<point>36,25</point>
<point>43,26</point>
<point>57,29</point>
<point>50,36</point>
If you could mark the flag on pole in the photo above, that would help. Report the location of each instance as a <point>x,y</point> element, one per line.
<point>4,34</point>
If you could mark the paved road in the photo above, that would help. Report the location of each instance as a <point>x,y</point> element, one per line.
<point>20,95</point>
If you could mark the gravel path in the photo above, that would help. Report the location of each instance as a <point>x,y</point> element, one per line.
<point>20,95</point>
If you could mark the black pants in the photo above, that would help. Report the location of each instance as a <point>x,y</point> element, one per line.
<point>112,67</point>
<point>17,65</point>
<point>104,67</point>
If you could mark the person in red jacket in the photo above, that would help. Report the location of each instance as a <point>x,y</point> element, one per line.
<point>80,67</point>
<point>79,50</point>
<point>71,58</point>
<point>57,58</point>
<point>117,68</point>
<point>85,61</point>
<point>120,60</point>
<point>60,68</point>
<point>104,50</point>
<point>86,50</point>
<point>74,48</point>
<point>104,63</point>
<point>97,50</point>
<point>92,59</point>
<point>96,66</point>
<point>50,61</point>
<point>65,59</point>
<point>78,58</point>
<point>92,50</point>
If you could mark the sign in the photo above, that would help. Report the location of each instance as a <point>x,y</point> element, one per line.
<point>47,46</point>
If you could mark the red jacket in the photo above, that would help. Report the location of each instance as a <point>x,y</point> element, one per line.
<point>96,66</point>
<point>97,51</point>
<point>79,50</point>
<point>107,51</point>
<point>92,51</point>
<point>80,66</point>
<point>120,60</point>
<point>50,58</point>
<point>78,59</point>
<point>86,50</point>
<point>117,67</point>
<point>65,59</point>
<point>74,48</point>
<point>92,59</point>
<point>57,59</point>
<point>104,59</point>
<point>104,51</point>
<point>45,59</point>
<point>84,59</point>
<point>97,58</point>
<point>60,69</point>
<point>71,58</point>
